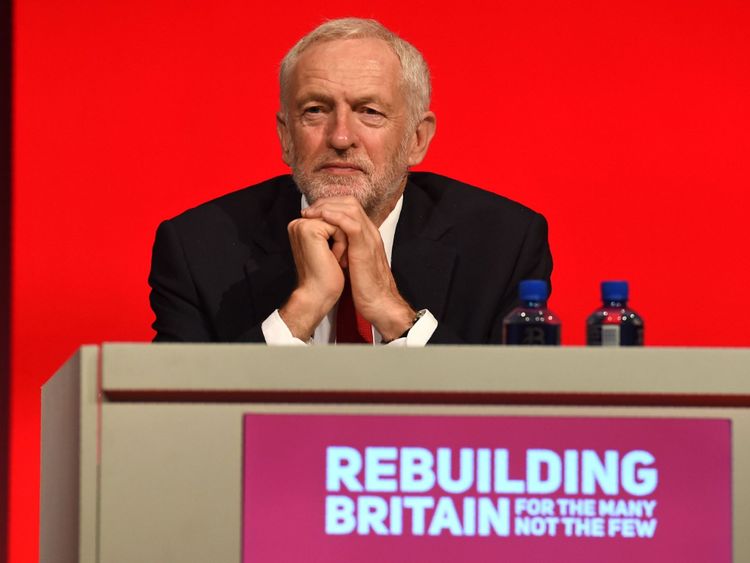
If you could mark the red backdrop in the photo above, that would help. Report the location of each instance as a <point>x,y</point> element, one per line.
<point>626,124</point>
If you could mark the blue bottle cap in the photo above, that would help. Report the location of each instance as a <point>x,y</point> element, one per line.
<point>614,291</point>
<point>533,290</point>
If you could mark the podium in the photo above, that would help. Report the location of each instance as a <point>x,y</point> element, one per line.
<point>142,443</point>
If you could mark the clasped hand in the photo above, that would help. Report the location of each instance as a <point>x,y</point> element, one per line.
<point>335,236</point>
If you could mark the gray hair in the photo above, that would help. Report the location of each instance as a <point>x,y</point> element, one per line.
<point>414,69</point>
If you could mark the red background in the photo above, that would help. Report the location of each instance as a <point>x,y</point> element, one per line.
<point>626,124</point>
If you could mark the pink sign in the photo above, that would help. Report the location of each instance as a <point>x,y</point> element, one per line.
<point>345,488</point>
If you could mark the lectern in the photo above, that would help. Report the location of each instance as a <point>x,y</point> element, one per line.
<point>143,444</point>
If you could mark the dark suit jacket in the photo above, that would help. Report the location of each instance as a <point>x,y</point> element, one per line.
<point>220,269</point>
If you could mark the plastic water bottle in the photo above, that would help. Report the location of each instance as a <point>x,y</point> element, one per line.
<point>531,323</point>
<point>614,323</point>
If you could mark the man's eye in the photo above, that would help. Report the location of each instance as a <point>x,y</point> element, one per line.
<point>370,111</point>
<point>313,110</point>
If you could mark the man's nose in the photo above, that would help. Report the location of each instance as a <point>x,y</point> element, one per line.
<point>342,134</point>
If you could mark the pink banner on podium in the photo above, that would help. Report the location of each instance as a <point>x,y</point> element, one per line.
<point>343,488</point>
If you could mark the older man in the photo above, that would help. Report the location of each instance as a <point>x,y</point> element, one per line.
<point>368,252</point>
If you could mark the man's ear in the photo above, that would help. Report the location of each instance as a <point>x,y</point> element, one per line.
<point>285,138</point>
<point>422,138</point>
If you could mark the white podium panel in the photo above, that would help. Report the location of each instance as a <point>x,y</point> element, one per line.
<point>142,443</point>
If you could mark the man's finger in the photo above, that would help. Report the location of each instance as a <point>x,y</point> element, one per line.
<point>348,206</point>
<point>349,201</point>
<point>339,247</point>
<point>311,227</point>
<point>352,227</point>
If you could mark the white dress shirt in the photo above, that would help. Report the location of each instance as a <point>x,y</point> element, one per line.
<point>277,333</point>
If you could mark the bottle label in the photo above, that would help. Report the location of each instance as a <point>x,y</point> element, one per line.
<point>532,335</point>
<point>610,335</point>
<point>614,335</point>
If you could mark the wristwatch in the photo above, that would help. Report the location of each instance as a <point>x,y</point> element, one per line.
<point>416,318</point>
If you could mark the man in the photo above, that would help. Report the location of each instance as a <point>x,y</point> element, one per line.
<point>368,252</point>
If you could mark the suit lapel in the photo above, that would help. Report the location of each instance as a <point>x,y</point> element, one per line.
<point>423,261</point>
<point>270,269</point>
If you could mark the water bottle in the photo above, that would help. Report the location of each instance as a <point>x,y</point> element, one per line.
<point>614,324</point>
<point>531,323</point>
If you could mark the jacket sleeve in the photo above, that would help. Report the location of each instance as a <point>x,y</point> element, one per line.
<point>181,314</point>
<point>174,297</point>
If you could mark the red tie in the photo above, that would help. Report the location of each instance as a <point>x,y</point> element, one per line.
<point>351,327</point>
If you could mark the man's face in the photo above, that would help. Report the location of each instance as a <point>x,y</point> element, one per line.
<point>344,131</point>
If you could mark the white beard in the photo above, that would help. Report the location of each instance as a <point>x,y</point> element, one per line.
<point>376,190</point>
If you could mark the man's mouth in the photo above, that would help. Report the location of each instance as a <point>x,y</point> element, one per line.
<point>342,168</point>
